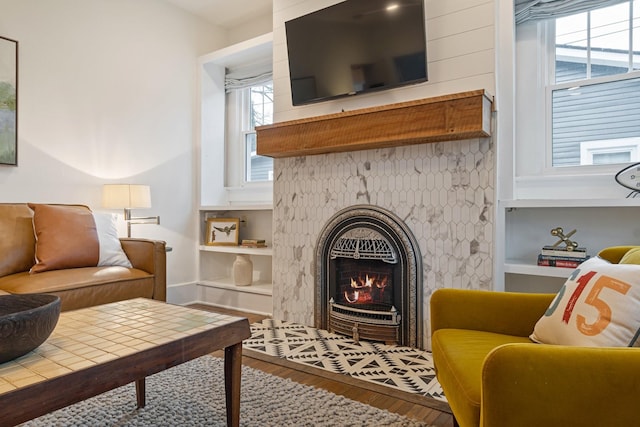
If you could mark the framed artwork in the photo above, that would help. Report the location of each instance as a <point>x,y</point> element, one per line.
<point>222,231</point>
<point>8,101</point>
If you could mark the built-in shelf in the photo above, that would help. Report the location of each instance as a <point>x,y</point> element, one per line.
<point>257,287</point>
<point>238,250</point>
<point>444,118</point>
<point>570,203</point>
<point>527,228</point>
<point>528,268</point>
<point>215,282</point>
<point>239,207</point>
<point>222,196</point>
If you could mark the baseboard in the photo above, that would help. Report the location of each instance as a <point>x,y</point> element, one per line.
<point>182,293</point>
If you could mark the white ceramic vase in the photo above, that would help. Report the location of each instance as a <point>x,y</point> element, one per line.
<point>242,270</point>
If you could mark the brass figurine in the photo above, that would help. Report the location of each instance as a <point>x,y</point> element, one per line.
<point>564,238</point>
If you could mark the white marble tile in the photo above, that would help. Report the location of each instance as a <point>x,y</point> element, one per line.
<point>445,190</point>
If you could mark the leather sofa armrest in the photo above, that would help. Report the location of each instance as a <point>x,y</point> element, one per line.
<point>149,256</point>
<point>510,313</point>
<point>554,385</point>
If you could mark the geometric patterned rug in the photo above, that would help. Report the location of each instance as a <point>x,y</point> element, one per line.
<point>400,368</point>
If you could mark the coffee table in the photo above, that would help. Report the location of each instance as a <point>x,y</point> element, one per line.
<point>96,349</point>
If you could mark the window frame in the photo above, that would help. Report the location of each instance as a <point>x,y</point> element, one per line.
<point>248,129</point>
<point>549,89</point>
<point>625,145</point>
<point>549,61</point>
<point>238,112</point>
<point>534,104</point>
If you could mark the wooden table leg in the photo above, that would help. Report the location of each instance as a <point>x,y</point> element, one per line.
<point>141,393</point>
<point>232,377</point>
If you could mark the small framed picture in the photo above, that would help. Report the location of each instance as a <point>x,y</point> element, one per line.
<point>222,231</point>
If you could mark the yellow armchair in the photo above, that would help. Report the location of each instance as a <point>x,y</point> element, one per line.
<point>493,375</point>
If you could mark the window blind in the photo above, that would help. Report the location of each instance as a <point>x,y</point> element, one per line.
<point>536,10</point>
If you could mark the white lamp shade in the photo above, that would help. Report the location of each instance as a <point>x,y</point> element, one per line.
<point>126,196</point>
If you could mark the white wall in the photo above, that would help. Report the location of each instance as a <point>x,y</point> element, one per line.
<point>107,94</point>
<point>255,27</point>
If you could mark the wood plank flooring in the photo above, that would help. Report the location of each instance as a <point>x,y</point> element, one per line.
<point>412,409</point>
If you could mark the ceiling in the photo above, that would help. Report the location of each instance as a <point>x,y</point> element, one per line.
<point>226,13</point>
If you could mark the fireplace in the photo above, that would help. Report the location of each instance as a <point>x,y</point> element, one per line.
<point>369,277</point>
<point>427,166</point>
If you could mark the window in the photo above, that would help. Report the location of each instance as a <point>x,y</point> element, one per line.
<point>246,108</point>
<point>259,111</point>
<point>593,93</point>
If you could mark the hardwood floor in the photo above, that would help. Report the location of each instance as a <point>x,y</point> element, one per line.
<point>393,404</point>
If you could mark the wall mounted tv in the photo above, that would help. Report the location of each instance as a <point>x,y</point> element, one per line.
<point>356,46</point>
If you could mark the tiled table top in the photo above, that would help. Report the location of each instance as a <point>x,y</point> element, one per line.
<point>89,336</point>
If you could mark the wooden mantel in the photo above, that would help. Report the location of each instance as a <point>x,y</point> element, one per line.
<point>444,118</point>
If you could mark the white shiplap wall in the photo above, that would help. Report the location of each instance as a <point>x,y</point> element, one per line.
<point>460,54</point>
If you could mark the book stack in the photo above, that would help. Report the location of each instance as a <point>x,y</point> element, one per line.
<point>554,256</point>
<point>253,243</point>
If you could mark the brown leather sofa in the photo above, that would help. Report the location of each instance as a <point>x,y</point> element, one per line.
<point>77,287</point>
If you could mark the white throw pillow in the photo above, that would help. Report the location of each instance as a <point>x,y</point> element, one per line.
<point>111,252</point>
<point>598,306</point>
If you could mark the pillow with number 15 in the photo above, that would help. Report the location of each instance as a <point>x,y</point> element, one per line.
<point>598,306</point>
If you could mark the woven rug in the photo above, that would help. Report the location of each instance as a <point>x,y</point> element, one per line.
<point>192,394</point>
<point>399,368</point>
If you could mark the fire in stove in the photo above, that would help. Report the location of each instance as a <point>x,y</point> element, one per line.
<point>361,301</point>
<point>366,290</point>
<point>368,277</point>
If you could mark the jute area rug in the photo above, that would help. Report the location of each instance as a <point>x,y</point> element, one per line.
<point>192,394</point>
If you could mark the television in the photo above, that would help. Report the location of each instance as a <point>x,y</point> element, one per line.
<point>354,47</point>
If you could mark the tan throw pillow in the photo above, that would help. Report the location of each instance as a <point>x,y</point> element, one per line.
<point>66,237</point>
<point>598,306</point>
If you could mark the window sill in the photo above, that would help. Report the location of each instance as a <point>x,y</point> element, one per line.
<point>600,186</point>
<point>257,192</point>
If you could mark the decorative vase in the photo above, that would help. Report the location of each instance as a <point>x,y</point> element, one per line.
<point>242,270</point>
<point>26,321</point>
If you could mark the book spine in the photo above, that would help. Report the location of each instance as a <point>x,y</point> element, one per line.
<point>563,258</point>
<point>564,249</point>
<point>567,254</point>
<point>558,262</point>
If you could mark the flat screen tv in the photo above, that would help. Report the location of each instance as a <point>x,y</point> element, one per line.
<point>356,46</point>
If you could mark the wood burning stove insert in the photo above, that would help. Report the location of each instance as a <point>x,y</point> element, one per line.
<point>368,277</point>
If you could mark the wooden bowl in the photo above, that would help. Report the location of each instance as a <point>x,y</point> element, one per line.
<point>26,321</point>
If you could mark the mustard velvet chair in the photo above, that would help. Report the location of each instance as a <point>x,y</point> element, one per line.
<point>493,375</point>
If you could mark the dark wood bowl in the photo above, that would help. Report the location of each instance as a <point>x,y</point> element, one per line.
<point>26,321</point>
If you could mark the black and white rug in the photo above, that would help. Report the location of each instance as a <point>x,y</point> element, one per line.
<point>401,368</point>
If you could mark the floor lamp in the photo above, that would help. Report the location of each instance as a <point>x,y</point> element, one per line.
<point>127,197</point>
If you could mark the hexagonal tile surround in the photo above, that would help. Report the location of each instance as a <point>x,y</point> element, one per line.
<point>444,192</point>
